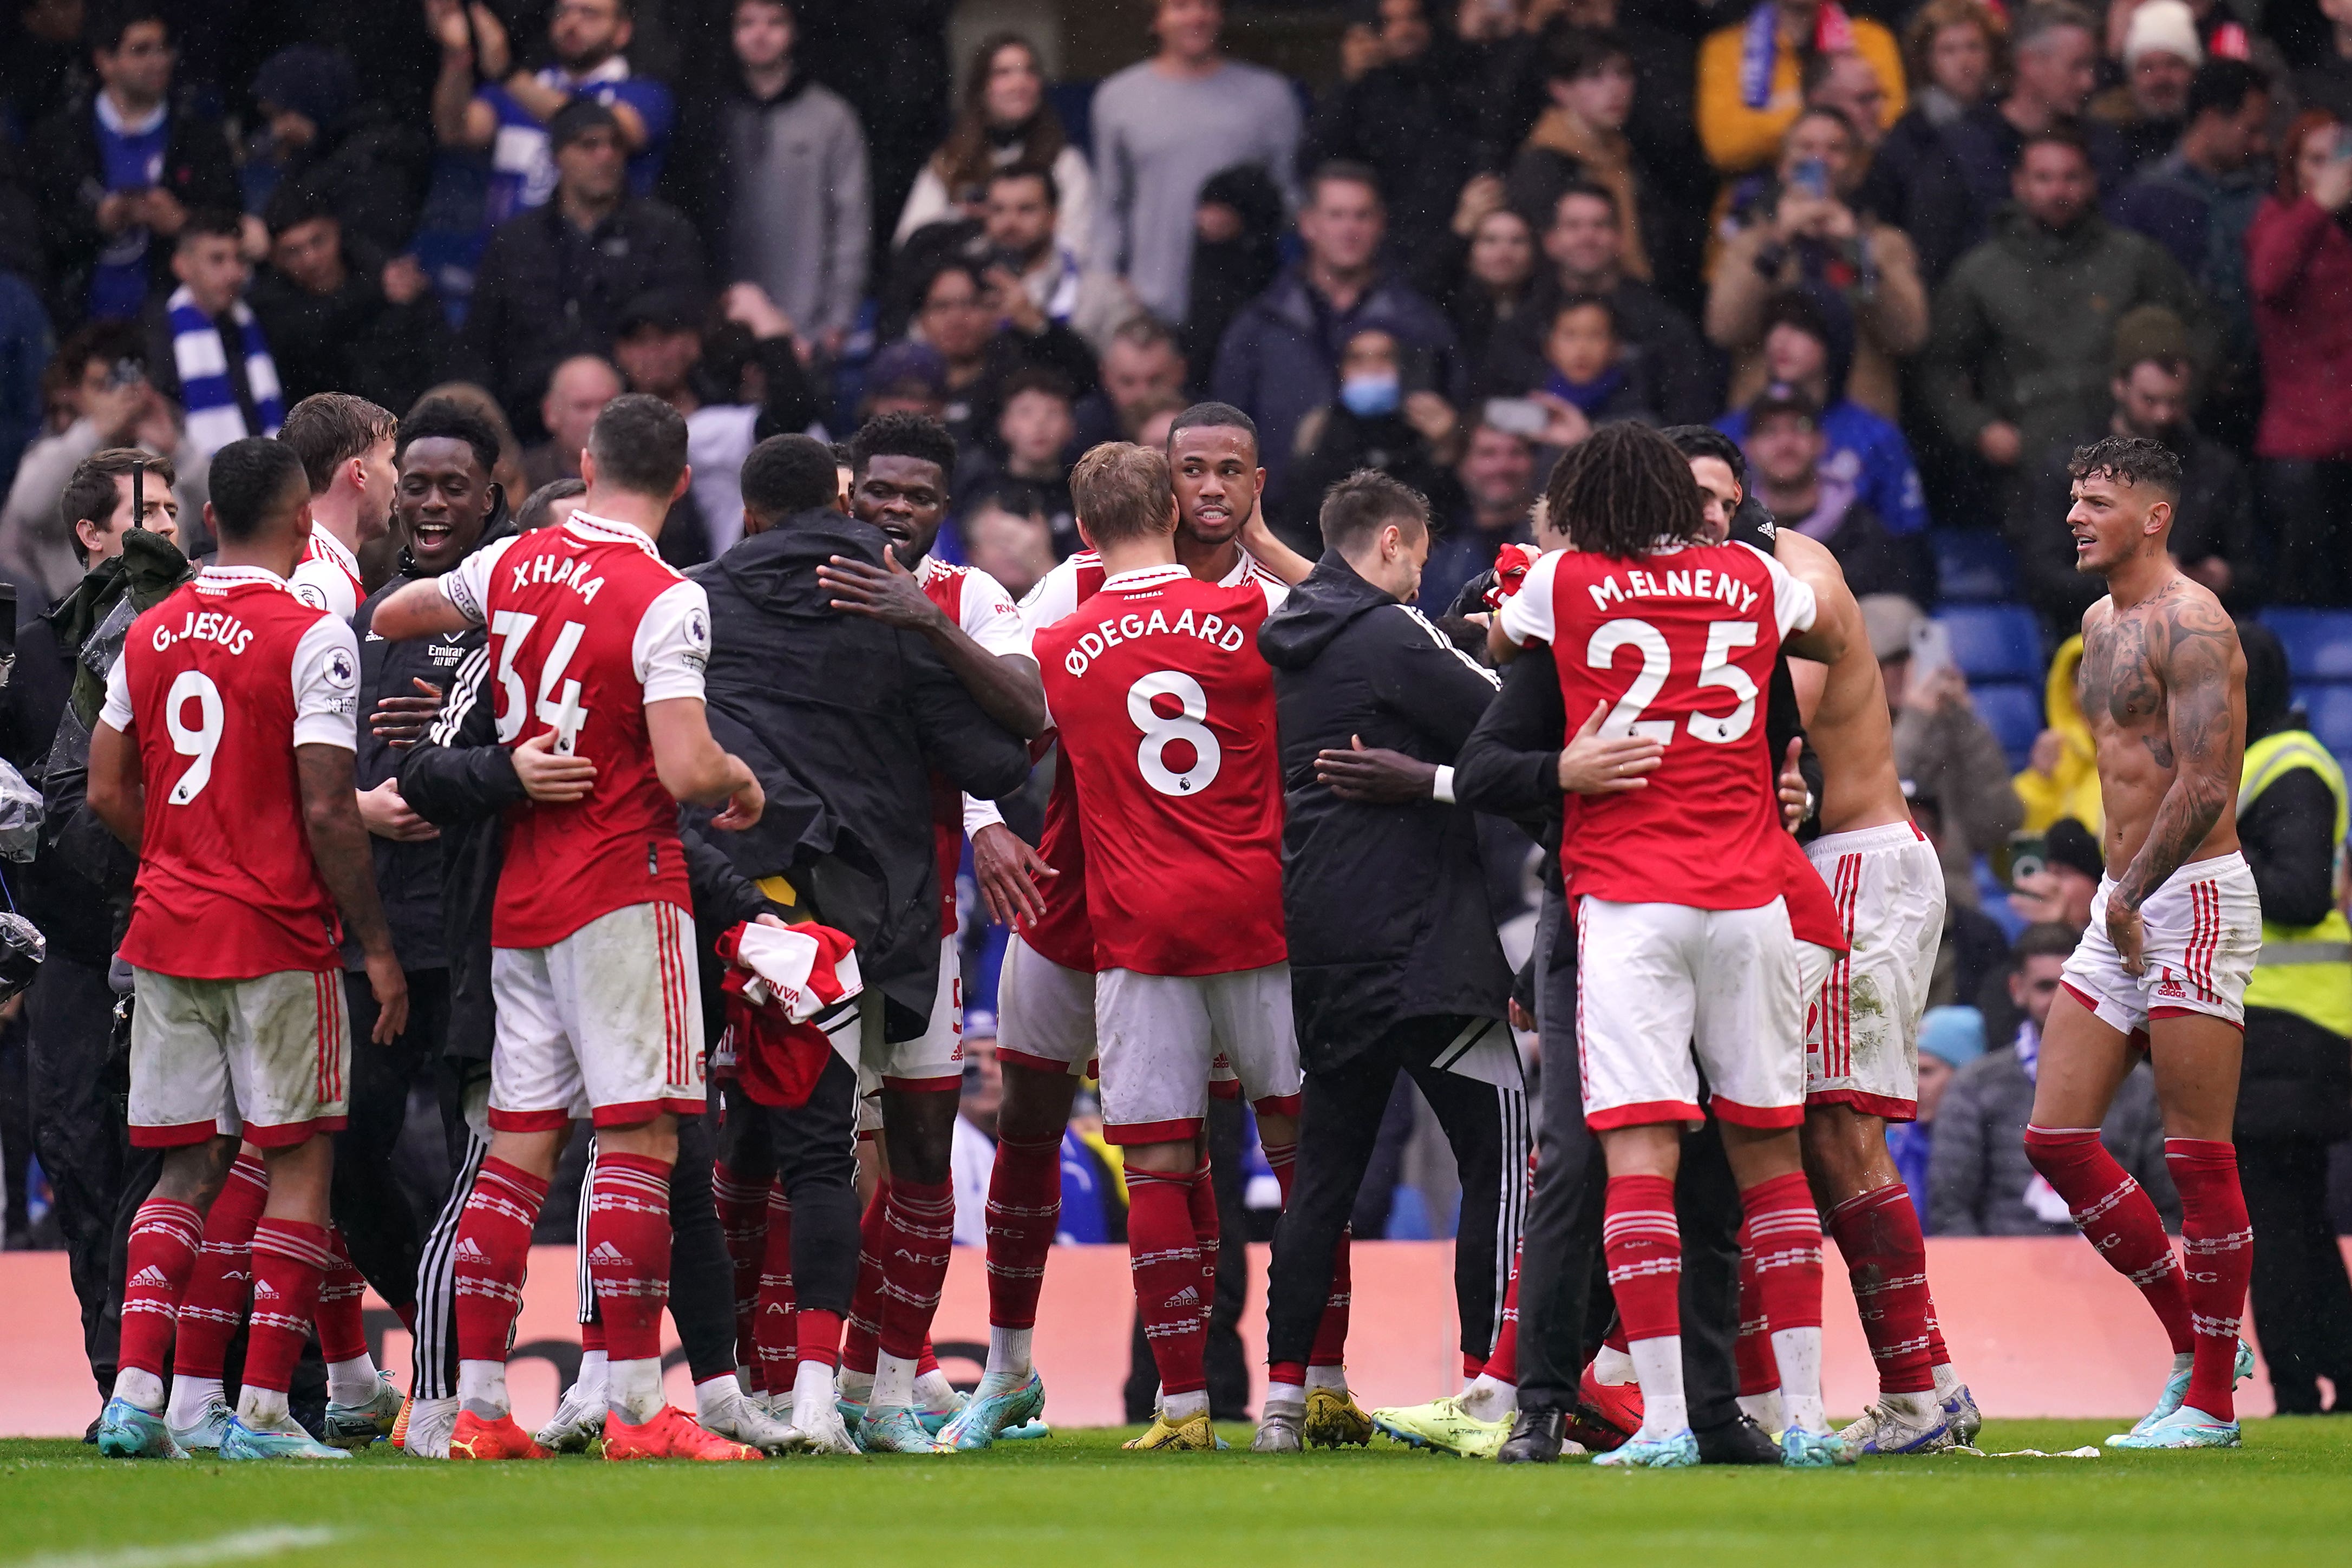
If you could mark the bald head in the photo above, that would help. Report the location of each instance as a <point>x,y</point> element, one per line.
<point>576,394</point>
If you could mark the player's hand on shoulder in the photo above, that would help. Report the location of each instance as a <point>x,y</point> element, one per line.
<point>550,779</point>
<point>887,593</point>
<point>1593,764</point>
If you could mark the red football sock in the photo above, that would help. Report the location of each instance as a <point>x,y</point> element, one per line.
<point>1615,1338</point>
<point>1784,1230</point>
<point>161,1255</point>
<point>2118,1218</point>
<point>212,1304</point>
<point>1759,1370</point>
<point>774,1342</point>
<point>493,1252</point>
<point>1502,1362</point>
<point>289,1259</point>
<point>816,1335</point>
<point>927,1361</point>
<point>1200,1200</point>
<point>919,1235</point>
<point>1886,1262</point>
<point>864,1332</point>
<point>628,1251</point>
<point>1284,1159</point>
<point>592,1334</point>
<point>2217,1243</point>
<point>1642,1248</point>
<point>1024,1206</point>
<point>1163,1257</point>
<point>743,1223</point>
<point>341,1320</point>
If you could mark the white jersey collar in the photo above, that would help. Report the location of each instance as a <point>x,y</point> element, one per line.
<point>1145,577</point>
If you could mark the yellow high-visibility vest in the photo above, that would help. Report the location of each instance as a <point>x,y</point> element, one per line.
<point>2304,969</point>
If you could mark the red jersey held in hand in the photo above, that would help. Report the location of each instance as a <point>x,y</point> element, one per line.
<point>217,686</point>
<point>1681,643</point>
<point>1164,709</point>
<point>587,625</point>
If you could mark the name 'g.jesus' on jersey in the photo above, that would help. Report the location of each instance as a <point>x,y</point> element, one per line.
<point>1165,713</point>
<point>1681,643</point>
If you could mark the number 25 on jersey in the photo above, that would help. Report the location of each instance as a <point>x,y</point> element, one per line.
<point>1716,669</point>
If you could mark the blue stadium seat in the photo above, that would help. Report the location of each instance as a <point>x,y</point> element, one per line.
<point>2012,711</point>
<point>1995,642</point>
<point>1972,564</point>
<point>2318,643</point>
<point>2330,707</point>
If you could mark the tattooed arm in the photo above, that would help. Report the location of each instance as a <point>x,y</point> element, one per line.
<point>2193,650</point>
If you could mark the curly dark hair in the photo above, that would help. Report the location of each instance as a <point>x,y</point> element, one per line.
<point>903,435</point>
<point>1621,490</point>
<point>2133,461</point>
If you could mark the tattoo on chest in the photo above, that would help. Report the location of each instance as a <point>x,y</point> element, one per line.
<point>2119,675</point>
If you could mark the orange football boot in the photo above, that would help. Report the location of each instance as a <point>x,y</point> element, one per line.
<point>670,1435</point>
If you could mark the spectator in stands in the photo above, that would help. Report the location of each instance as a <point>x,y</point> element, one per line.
<point>511,113</point>
<point>1801,232</point>
<point>773,173</point>
<point>2299,273</point>
<point>1004,122</point>
<point>1156,420</point>
<point>2024,327</point>
<point>2069,880</point>
<point>1005,537</point>
<point>1585,247</point>
<point>576,392</point>
<point>2212,522</point>
<point>1785,445</point>
<point>369,169</point>
<point>2325,85</point>
<point>1807,348</point>
<point>2061,773</point>
<point>119,168</point>
<point>1282,356</point>
<point>1379,419</point>
<point>1020,229</point>
<point>986,328</point>
<point>1958,52</point>
<point>1941,746</point>
<point>205,348</point>
<point>1161,129</point>
<point>1592,377</point>
<point>1482,273</point>
<point>1034,427</point>
<point>1751,75</point>
<point>1140,365</point>
<point>1237,249</point>
<point>553,280</point>
<point>112,404</point>
<point>1950,1039</point>
<point>1496,480</point>
<point>907,377</point>
<point>339,316</point>
<point>1581,137</point>
<point>2054,55</point>
<point>2149,108</point>
<point>1411,117</point>
<point>1979,1181</point>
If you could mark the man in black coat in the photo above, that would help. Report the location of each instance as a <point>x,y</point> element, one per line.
<point>1394,963</point>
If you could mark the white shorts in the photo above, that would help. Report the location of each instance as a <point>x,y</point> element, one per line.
<point>269,1057</point>
<point>1044,1013</point>
<point>1164,1038</point>
<point>1665,992</point>
<point>932,1059</point>
<point>2201,933</point>
<point>607,1023</point>
<point>1862,1025</point>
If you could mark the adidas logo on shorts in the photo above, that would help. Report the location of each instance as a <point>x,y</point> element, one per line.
<point>2170,987</point>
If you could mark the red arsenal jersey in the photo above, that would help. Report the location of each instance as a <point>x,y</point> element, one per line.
<point>587,625</point>
<point>1062,935</point>
<point>1680,643</point>
<point>977,604</point>
<point>217,686</point>
<point>1164,710</point>
<point>328,576</point>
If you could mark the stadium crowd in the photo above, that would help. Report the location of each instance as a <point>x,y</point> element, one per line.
<point>1907,255</point>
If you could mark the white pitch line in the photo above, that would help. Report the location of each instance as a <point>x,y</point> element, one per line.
<point>268,1541</point>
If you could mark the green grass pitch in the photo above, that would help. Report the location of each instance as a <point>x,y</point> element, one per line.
<point>2285,1497</point>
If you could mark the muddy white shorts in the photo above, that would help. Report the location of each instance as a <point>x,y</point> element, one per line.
<point>932,1059</point>
<point>2201,933</point>
<point>1862,1025</point>
<point>1666,993</point>
<point>269,1057</point>
<point>1165,1037</point>
<point>606,1023</point>
<point>1044,1013</point>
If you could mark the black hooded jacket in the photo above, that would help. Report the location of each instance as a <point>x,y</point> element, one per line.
<point>1386,905</point>
<point>845,720</point>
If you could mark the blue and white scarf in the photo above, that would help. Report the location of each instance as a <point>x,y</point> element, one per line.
<point>208,395</point>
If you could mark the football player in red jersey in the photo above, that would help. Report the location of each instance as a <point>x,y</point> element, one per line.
<point>346,447</point>
<point>224,755</point>
<point>1045,992</point>
<point>1687,958</point>
<point>601,644</point>
<point>1165,712</point>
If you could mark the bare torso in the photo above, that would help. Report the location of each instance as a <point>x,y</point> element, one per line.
<point>1843,704</point>
<point>2164,690</point>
